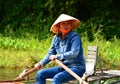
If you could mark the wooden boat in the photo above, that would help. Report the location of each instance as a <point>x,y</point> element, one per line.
<point>20,81</point>
<point>12,83</point>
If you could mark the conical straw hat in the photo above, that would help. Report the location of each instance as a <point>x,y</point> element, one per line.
<point>63,17</point>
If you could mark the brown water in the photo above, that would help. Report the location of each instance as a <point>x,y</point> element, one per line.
<point>8,74</point>
<point>11,74</point>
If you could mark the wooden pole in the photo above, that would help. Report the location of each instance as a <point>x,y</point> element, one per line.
<point>70,71</point>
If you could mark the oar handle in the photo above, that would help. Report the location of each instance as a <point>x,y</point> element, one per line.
<point>27,73</point>
<point>70,71</point>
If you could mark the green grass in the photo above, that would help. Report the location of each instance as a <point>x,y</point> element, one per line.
<point>16,52</point>
<point>21,52</point>
<point>108,51</point>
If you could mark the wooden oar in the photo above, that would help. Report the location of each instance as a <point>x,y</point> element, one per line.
<point>70,71</point>
<point>27,73</point>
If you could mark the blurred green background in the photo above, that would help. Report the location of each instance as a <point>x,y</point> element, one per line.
<point>25,35</point>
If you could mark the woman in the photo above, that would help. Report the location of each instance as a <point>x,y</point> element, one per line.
<point>67,47</point>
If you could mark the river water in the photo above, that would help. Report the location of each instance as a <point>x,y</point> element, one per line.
<point>8,74</point>
<point>11,74</point>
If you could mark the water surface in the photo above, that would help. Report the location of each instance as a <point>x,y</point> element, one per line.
<point>11,74</point>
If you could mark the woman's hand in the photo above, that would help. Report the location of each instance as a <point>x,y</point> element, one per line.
<point>38,66</point>
<point>53,57</point>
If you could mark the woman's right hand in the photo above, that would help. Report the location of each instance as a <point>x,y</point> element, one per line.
<point>38,66</point>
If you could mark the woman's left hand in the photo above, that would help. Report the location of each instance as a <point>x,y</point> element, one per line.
<point>53,57</point>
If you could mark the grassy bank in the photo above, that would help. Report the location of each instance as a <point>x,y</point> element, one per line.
<point>108,52</point>
<point>16,52</point>
<point>21,52</point>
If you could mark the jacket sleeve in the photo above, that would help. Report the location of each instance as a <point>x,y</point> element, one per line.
<point>51,51</point>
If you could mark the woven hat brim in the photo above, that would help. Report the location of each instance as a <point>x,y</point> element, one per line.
<point>63,17</point>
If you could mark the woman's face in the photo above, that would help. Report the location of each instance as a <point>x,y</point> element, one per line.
<point>65,27</point>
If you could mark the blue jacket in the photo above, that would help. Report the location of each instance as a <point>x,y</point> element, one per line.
<point>69,50</point>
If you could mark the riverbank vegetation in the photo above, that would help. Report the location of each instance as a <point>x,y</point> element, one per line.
<point>25,37</point>
<point>17,53</point>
